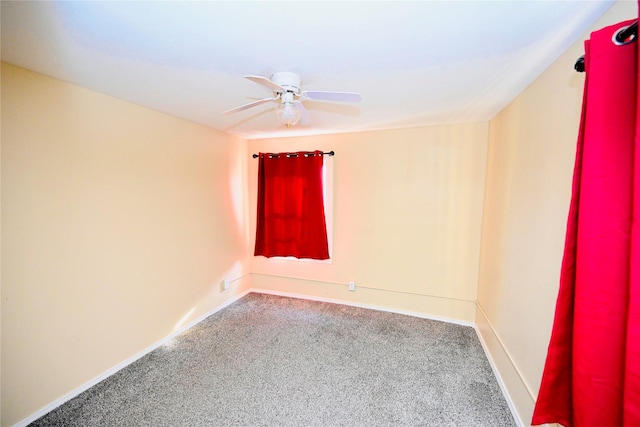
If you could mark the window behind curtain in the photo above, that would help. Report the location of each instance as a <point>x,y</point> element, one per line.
<point>290,210</point>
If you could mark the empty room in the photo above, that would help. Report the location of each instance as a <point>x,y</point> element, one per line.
<point>300,213</point>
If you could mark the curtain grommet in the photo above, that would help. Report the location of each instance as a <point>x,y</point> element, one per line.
<point>617,37</point>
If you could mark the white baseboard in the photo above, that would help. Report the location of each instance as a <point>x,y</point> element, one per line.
<point>503,387</point>
<point>519,397</point>
<point>355,304</point>
<point>53,405</point>
<point>435,307</point>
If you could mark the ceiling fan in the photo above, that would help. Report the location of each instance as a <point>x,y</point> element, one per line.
<point>286,91</point>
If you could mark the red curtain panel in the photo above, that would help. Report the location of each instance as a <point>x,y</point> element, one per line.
<point>290,215</point>
<point>592,372</point>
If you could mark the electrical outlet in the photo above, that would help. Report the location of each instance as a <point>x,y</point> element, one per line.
<point>352,286</point>
<point>224,285</point>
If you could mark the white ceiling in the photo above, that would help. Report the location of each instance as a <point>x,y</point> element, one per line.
<point>415,63</point>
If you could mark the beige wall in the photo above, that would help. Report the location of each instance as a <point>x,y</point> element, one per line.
<point>407,210</point>
<point>530,167</point>
<point>117,221</point>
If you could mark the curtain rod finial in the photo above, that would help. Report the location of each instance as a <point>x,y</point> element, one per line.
<point>579,67</point>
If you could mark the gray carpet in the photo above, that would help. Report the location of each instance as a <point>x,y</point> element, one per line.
<point>275,361</point>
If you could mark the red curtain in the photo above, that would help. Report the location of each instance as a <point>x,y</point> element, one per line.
<point>290,217</point>
<point>592,372</point>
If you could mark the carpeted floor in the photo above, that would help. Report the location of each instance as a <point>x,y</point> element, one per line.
<point>275,361</point>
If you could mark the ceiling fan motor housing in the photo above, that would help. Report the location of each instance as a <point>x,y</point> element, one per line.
<point>287,80</point>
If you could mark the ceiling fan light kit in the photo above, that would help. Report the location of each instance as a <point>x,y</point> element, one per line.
<point>287,114</point>
<point>286,90</point>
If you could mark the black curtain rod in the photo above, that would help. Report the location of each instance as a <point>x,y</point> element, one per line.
<point>624,36</point>
<point>328,153</point>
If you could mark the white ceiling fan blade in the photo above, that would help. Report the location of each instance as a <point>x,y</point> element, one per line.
<point>304,116</point>
<point>331,96</point>
<point>249,105</point>
<point>265,82</point>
